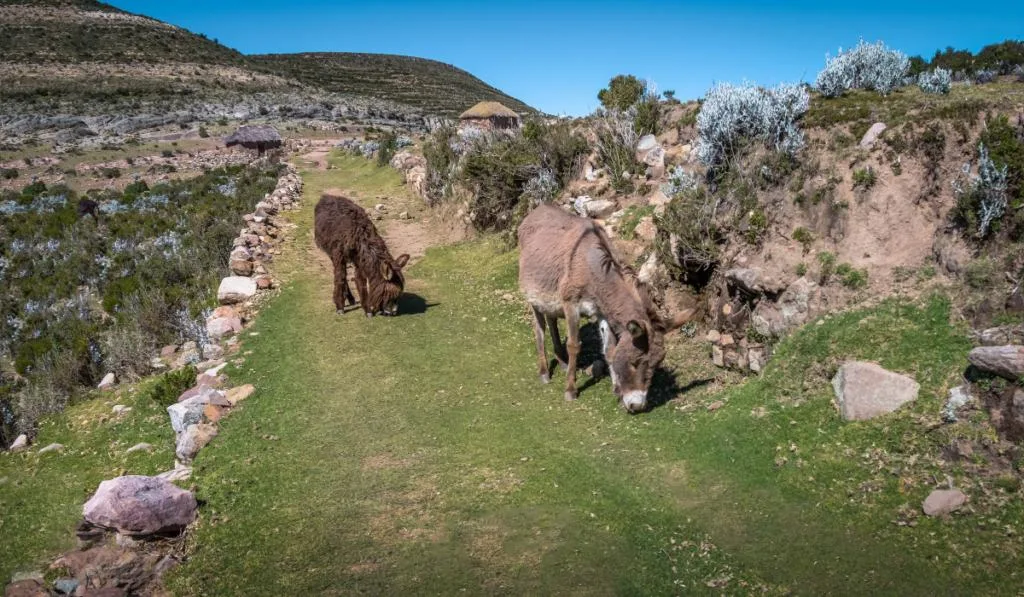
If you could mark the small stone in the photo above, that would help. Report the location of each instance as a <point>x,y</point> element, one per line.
<point>120,409</point>
<point>717,404</point>
<point>212,413</point>
<point>713,336</point>
<point>235,289</point>
<point>20,443</point>
<point>140,447</point>
<point>264,283</point>
<point>726,340</point>
<point>168,351</point>
<point>51,448</point>
<point>180,473</point>
<point>108,382</point>
<point>65,586</point>
<point>403,216</point>
<point>236,395</point>
<point>943,501</point>
<point>214,369</point>
<point>195,438</point>
<point>717,356</point>
<point>872,134</point>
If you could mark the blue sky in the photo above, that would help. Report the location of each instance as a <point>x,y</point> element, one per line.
<point>555,56</point>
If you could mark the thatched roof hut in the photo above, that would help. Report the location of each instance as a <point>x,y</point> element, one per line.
<point>260,138</point>
<point>490,115</point>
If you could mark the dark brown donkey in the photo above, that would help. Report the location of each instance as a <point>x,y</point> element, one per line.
<point>346,234</point>
<point>566,269</point>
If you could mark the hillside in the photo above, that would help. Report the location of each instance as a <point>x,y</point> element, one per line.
<point>434,87</point>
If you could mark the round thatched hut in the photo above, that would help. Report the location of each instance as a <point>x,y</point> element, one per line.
<point>260,138</point>
<point>489,116</point>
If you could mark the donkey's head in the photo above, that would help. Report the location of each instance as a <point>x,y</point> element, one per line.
<point>386,290</point>
<point>634,353</point>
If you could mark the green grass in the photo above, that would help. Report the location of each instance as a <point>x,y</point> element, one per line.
<point>421,455</point>
<point>41,496</point>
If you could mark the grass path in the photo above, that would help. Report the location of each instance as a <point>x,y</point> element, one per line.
<point>419,455</point>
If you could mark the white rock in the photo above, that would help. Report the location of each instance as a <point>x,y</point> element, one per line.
<point>108,381</point>
<point>140,447</point>
<point>943,501</point>
<point>872,135</point>
<point>235,289</point>
<point>20,443</point>
<point>120,409</point>
<point>51,448</point>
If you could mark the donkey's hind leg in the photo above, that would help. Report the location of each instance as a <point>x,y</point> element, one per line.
<point>542,355</point>
<point>560,353</point>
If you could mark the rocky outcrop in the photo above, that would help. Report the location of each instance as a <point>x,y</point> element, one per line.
<point>1004,361</point>
<point>139,506</point>
<point>866,390</point>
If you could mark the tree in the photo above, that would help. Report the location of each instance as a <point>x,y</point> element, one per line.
<point>623,91</point>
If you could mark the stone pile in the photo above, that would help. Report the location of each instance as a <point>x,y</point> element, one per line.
<point>414,171</point>
<point>741,355</point>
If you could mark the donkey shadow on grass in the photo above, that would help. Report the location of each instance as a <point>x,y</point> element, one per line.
<point>664,386</point>
<point>408,304</point>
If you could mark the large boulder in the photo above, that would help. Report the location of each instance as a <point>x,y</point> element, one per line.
<point>1004,361</point>
<point>235,289</point>
<point>136,505</point>
<point>866,390</point>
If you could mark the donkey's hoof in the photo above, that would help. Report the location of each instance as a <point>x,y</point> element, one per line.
<point>570,396</point>
<point>545,378</point>
<point>339,311</point>
<point>369,315</point>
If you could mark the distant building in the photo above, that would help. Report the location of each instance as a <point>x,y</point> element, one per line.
<point>260,138</point>
<point>489,116</point>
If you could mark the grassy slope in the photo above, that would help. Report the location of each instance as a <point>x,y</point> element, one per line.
<point>420,454</point>
<point>435,87</point>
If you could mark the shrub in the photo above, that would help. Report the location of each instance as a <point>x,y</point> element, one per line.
<point>167,153</point>
<point>616,148</point>
<point>805,237</point>
<point>981,198</point>
<point>936,81</point>
<point>985,76</point>
<point>801,269</point>
<point>9,173</point>
<point>203,133</point>
<point>1005,144</point>
<point>864,178</point>
<point>634,214</point>
<point>170,386</point>
<point>679,181</point>
<point>866,66</point>
<point>827,261</point>
<point>442,163</point>
<point>36,400</point>
<point>688,239</point>
<point>622,93</point>
<point>851,277</point>
<point>732,115</point>
<point>387,148</point>
<point>128,350</point>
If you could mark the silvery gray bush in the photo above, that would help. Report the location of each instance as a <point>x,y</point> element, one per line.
<point>679,181</point>
<point>541,188</point>
<point>989,185</point>
<point>936,81</point>
<point>866,66</point>
<point>734,113</point>
<point>985,75</point>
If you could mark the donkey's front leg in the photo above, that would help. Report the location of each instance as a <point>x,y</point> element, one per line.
<point>572,345</point>
<point>341,290</point>
<point>542,355</point>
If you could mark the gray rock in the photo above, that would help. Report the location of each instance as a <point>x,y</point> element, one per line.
<point>138,506</point>
<point>180,473</point>
<point>943,501</point>
<point>188,412</point>
<point>235,289</point>
<point>866,390</point>
<point>593,208</point>
<point>65,586</point>
<point>959,397</point>
<point>20,443</point>
<point>753,281</point>
<point>194,438</point>
<point>792,310</point>
<point>1004,361</point>
<point>120,409</point>
<point>51,448</point>
<point>869,138</point>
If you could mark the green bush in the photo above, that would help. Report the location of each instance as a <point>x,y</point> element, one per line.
<point>634,214</point>
<point>9,173</point>
<point>1005,145</point>
<point>864,178</point>
<point>442,162</point>
<point>170,386</point>
<point>852,277</point>
<point>203,133</point>
<point>688,239</point>
<point>805,237</point>
<point>388,146</point>
<point>622,93</point>
<point>827,263</point>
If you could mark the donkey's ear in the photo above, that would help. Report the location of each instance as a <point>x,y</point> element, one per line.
<point>636,330</point>
<point>385,270</point>
<point>402,260</point>
<point>681,318</point>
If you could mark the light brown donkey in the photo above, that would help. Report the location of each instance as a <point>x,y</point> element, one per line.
<point>566,269</point>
